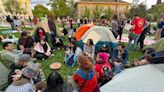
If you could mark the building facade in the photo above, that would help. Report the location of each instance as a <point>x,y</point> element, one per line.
<point>119,7</point>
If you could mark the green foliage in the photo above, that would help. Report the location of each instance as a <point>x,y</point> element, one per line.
<point>156,10</point>
<point>96,12</point>
<point>71,8</point>
<point>60,8</point>
<point>86,13</point>
<point>40,11</point>
<point>140,10</point>
<point>108,13</point>
<point>13,6</point>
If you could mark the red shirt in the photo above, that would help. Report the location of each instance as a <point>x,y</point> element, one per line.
<point>90,86</point>
<point>138,23</point>
<point>99,68</point>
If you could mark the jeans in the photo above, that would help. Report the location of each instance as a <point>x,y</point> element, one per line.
<point>135,41</point>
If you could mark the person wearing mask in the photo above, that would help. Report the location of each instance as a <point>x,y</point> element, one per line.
<point>39,33</point>
<point>86,77</point>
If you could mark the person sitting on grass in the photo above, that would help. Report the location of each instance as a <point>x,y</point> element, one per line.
<point>146,58</point>
<point>43,50</point>
<point>120,52</point>
<point>22,81</point>
<point>89,48</point>
<point>55,83</point>
<point>9,55</point>
<point>57,43</point>
<point>102,63</point>
<point>72,53</point>
<point>86,77</point>
<point>25,43</point>
<point>25,60</point>
<point>40,33</point>
<point>118,67</point>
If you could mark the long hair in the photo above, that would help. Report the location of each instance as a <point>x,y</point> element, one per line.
<point>54,83</point>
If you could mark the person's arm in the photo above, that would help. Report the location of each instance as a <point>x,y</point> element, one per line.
<point>93,51</point>
<point>114,54</point>
<point>125,57</point>
<point>84,49</point>
<point>146,25</point>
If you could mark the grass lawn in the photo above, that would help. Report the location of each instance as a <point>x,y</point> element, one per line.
<point>59,57</point>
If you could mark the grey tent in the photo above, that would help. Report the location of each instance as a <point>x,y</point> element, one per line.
<point>146,78</point>
<point>158,46</point>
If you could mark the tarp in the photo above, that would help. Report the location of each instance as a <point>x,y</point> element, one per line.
<point>158,46</point>
<point>81,31</point>
<point>3,76</point>
<point>146,78</point>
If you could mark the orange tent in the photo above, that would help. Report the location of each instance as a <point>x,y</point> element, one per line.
<point>81,31</point>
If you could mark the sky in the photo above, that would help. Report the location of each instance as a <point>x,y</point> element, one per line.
<point>149,3</point>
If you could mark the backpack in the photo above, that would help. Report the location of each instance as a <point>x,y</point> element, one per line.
<point>71,60</point>
<point>107,73</point>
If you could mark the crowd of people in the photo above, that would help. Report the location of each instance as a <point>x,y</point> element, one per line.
<point>94,68</point>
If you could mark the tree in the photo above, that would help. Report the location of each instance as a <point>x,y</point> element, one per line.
<point>86,13</point>
<point>140,10</point>
<point>12,6</point>
<point>60,8</point>
<point>71,8</point>
<point>96,12</point>
<point>108,13</point>
<point>40,11</point>
<point>156,10</point>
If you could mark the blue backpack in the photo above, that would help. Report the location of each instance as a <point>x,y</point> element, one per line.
<point>71,60</point>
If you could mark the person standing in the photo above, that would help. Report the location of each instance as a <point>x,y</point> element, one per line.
<point>115,26</point>
<point>120,27</point>
<point>141,39</point>
<point>52,27</point>
<point>138,24</point>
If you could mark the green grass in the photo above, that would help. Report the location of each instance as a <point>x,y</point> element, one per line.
<point>59,57</point>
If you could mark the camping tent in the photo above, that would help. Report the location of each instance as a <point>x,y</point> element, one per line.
<point>3,76</point>
<point>105,36</point>
<point>81,31</point>
<point>158,46</point>
<point>146,78</point>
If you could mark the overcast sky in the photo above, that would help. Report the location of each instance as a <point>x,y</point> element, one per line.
<point>149,3</point>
